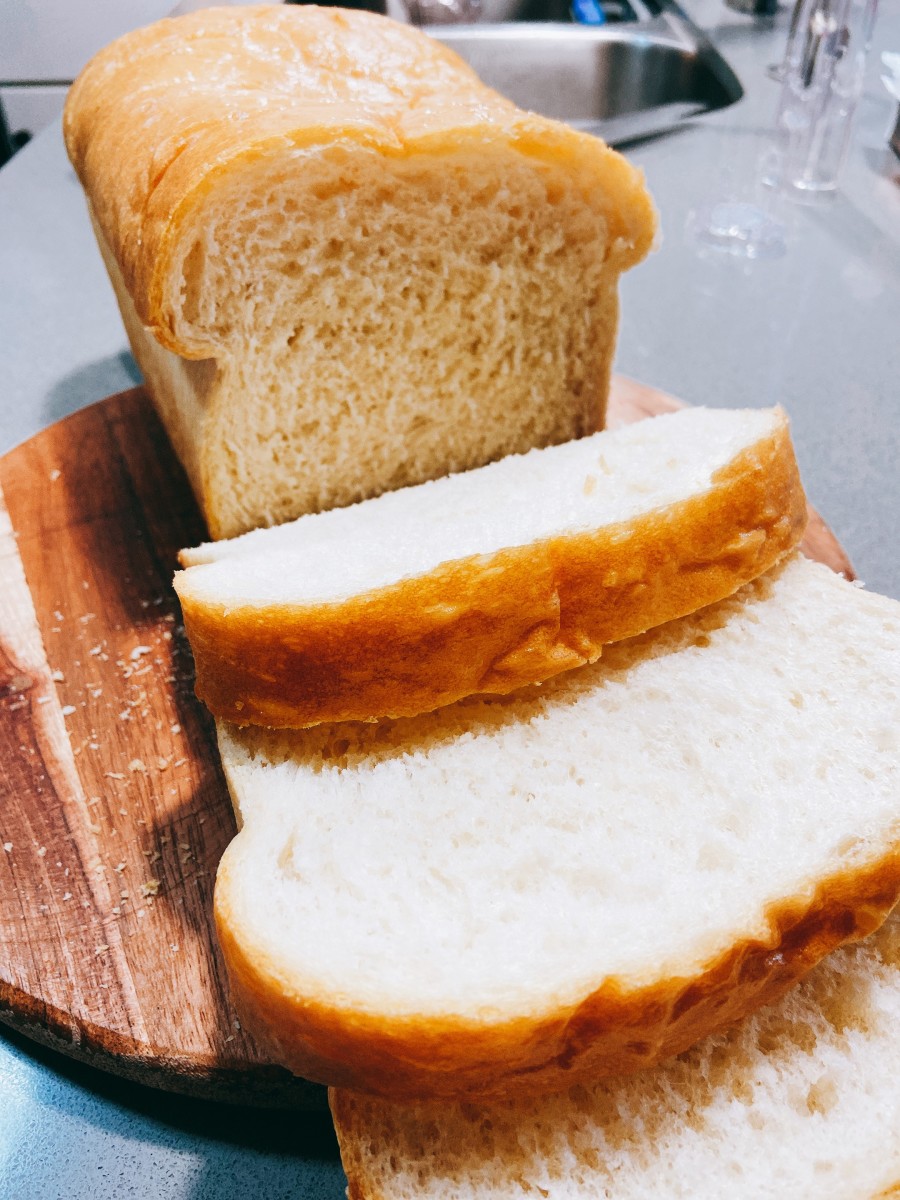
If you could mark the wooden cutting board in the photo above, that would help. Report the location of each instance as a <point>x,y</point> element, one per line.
<point>113,808</point>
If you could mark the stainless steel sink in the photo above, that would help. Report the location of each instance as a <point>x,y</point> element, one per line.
<point>623,81</point>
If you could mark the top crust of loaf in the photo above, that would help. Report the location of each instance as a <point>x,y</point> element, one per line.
<point>198,99</point>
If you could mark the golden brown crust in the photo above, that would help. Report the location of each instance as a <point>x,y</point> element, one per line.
<point>182,389</point>
<point>361,1184</point>
<point>491,624</point>
<point>165,114</point>
<point>618,1028</point>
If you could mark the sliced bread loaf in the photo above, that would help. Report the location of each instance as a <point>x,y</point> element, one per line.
<point>799,1102</point>
<point>516,894</point>
<point>344,264</point>
<point>492,579</point>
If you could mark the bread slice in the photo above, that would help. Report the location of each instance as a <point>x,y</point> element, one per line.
<point>799,1102</point>
<point>585,878</point>
<point>492,579</point>
<point>345,265</point>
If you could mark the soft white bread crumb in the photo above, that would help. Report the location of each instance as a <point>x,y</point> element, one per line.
<point>603,480</point>
<point>479,895</point>
<point>799,1102</point>
<point>492,579</point>
<point>344,264</point>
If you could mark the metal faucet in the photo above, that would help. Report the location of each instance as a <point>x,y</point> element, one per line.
<point>757,8</point>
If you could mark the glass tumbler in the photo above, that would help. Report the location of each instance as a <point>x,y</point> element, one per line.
<point>821,82</point>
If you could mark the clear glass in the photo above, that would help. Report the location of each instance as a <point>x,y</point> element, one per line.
<point>822,79</point>
<point>779,70</point>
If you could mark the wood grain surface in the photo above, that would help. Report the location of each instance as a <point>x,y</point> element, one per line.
<point>113,809</point>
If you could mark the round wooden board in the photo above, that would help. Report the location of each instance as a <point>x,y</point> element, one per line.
<point>113,809</point>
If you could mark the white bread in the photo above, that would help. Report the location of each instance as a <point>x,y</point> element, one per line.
<point>584,878</point>
<point>799,1102</point>
<point>492,579</point>
<point>344,264</point>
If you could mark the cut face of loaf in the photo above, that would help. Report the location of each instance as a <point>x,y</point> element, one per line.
<point>493,579</point>
<point>344,264</point>
<point>513,895</point>
<point>799,1102</point>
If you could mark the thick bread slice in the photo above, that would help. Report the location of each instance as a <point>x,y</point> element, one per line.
<point>799,1102</point>
<point>516,894</point>
<point>492,579</point>
<point>345,265</point>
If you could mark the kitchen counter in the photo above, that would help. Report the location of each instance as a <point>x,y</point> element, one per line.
<point>816,330</point>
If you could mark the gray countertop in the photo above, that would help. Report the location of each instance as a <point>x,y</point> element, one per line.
<point>817,330</point>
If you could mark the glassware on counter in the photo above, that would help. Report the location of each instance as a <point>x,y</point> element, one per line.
<point>821,82</point>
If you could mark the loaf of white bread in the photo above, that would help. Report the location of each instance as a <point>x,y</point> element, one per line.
<point>511,895</point>
<point>346,267</point>
<point>799,1102</point>
<point>492,579</point>
<point>344,264</point>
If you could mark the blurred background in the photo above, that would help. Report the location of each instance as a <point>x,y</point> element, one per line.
<point>45,43</point>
